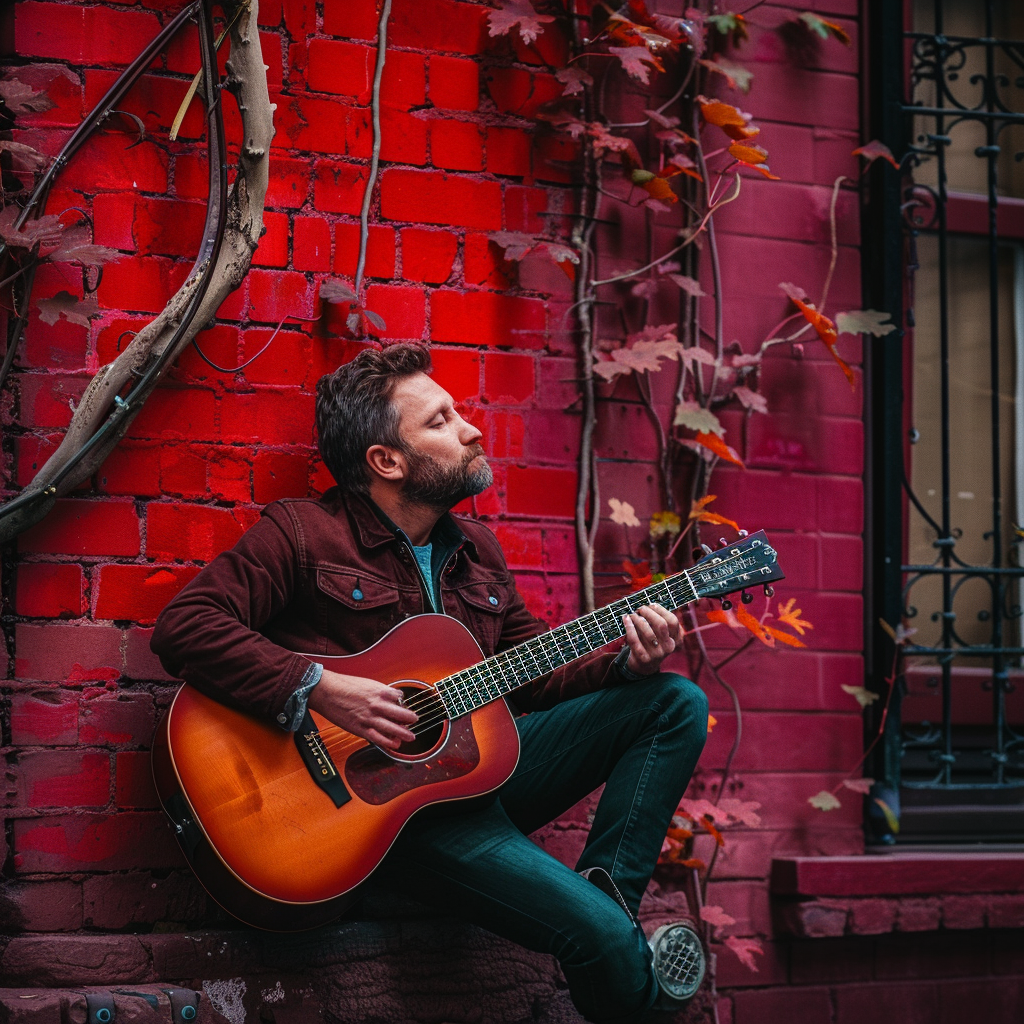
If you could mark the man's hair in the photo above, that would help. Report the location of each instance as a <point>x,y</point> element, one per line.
<point>354,410</point>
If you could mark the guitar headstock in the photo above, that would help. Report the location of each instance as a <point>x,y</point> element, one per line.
<point>750,562</point>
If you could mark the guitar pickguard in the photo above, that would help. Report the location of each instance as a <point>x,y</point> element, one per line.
<point>376,778</point>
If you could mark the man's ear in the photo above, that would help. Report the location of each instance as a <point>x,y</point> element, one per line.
<point>388,463</point>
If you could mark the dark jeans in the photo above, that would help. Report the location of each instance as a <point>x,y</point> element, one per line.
<point>641,740</point>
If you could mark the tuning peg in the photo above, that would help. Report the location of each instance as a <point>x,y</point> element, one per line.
<point>726,604</point>
<point>743,533</point>
<point>746,598</point>
<point>706,548</point>
<point>722,542</point>
<point>769,590</point>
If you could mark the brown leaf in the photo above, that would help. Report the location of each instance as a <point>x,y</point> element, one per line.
<point>636,61</point>
<point>20,98</point>
<point>517,14</point>
<point>574,78</point>
<point>43,231</point>
<point>862,786</point>
<point>515,243</point>
<point>73,309</point>
<point>745,950</point>
<point>750,399</point>
<point>23,157</point>
<point>333,290</point>
<point>689,285</point>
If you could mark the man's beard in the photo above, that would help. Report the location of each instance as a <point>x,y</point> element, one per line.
<point>441,487</point>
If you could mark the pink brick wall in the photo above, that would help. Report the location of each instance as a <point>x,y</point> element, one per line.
<point>461,158</point>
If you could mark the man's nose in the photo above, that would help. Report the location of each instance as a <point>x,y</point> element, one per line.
<point>468,434</point>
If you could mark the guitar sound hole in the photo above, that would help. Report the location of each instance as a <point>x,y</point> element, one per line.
<point>430,729</point>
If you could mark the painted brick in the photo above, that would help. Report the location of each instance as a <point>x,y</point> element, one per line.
<point>168,227</point>
<point>881,1004</point>
<point>402,307</point>
<point>484,263</point>
<point>94,34</point>
<point>439,25</point>
<point>286,362</point>
<point>191,532</point>
<point>268,417</point>
<point>134,898</point>
<point>58,346</point>
<point>182,472</point>
<point>432,197</point>
<point>117,720</point>
<point>62,87</point>
<point>138,592</point>
<point>458,372</point>
<point>273,247</point>
<point>95,842</point>
<point>485,318</point>
<point>508,151</point>
<point>183,413</point>
<point>229,473</point>
<point>80,527</point>
<point>556,159</point>
<point>380,250</point>
<point>520,92</point>
<point>103,164</point>
<point>274,295</point>
<point>58,651</point>
<point>781,1006</point>
<point>533,491</point>
<point>454,83</point>
<point>154,99</point>
<point>523,208</point>
<point>140,285</point>
<point>139,660</point>
<point>340,67</point>
<point>114,214</point>
<point>288,183</point>
<point>44,717</point>
<point>428,255</point>
<point>63,778</point>
<point>278,475</point>
<point>338,187</point>
<point>456,145</point>
<point>310,124</point>
<point>133,780</point>
<point>131,469</point>
<point>508,377</point>
<point>51,591</point>
<point>311,244</point>
<point>43,906</point>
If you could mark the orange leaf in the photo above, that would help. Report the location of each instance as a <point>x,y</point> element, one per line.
<point>700,504</point>
<point>761,169</point>
<point>826,331</point>
<point>733,122</point>
<point>763,633</point>
<point>693,862</point>
<point>639,575</point>
<point>680,834</point>
<point>715,444</point>
<point>791,616</point>
<point>658,188</point>
<point>714,517</point>
<point>712,722</point>
<point>724,617</point>
<point>710,826</point>
<point>873,150</point>
<point>748,153</point>
<point>786,638</point>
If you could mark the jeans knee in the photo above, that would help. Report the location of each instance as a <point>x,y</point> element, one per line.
<point>686,704</point>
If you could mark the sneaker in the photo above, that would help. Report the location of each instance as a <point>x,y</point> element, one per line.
<point>679,964</point>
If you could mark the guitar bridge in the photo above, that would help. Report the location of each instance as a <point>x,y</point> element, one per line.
<point>319,762</point>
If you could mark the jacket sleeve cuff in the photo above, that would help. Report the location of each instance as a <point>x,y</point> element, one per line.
<point>623,669</point>
<point>295,706</point>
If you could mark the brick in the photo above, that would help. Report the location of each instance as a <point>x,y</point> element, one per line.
<point>404,82</point>
<point>458,372</point>
<point>932,954</point>
<point>56,960</point>
<point>62,87</point>
<point>63,778</point>
<point>1005,911</point>
<point>278,475</point>
<point>273,246</point>
<point>432,197</point>
<point>42,906</point>
<point>428,255</point>
<point>380,250</point>
<point>285,362</point>
<point>523,208</point>
<point>963,912</point>
<point>268,417</point>
<point>508,151</point>
<point>219,344</point>
<point>114,214</point>
<point>872,917</point>
<point>140,898</point>
<point>484,263</point>
<point>508,377</point>
<point>229,473</point>
<point>138,592</point>
<point>520,92</point>
<point>454,83</point>
<point>274,295</point>
<point>338,187</point>
<point>403,136</point>
<point>289,181</point>
<point>980,999</point>
<point>402,307</point>
<point>484,318</point>
<point>813,919</point>
<point>77,526</point>
<point>456,145</point>
<point>882,1004</point>
<point>781,1006</point>
<point>154,99</point>
<point>311,244</point>
<point>310,124</point>
<point>339,67</point>
<point>556,159</point>
<point>140,285</point>
<point>130,469</point>
<point>191,532</point>
<point>439,25</point>
<point>533,491</point>
<point>117,720</point>
<point>133,780</point>
<point>95,34</point>
<point>354,21</point>
<point>103,164</point>
<point>45,717</point>
<point>49,591</point>
<point>139,660</point>
<point>168,227</point>
<point>182,472</point>
<point>177,413</point>
<point>57,651</point>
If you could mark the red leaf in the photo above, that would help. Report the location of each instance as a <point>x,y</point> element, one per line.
<point>73,309</point>
<point>762,632</point>
<point>637,61</point>
<point>824,328</point>
<point>517,14</point>
<point>640,577</point>
<point>745,950</point>
<point>733,122</point>
<point>693,862</point>
<point>874,149</point>
<point>709,825</point>
<point>715,444</point>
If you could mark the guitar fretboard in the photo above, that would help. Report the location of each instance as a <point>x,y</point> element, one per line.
<point>499,675</point>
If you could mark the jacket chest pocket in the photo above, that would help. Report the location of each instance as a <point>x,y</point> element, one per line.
<point>483,606</point>
<point>354,610</point>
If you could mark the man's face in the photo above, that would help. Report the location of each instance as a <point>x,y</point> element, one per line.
<point>445,458</point>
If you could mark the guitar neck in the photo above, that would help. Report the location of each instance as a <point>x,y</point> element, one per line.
<point>501,674</point>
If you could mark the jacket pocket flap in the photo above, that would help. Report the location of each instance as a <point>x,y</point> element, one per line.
<point>494,596</point>
<point>354,590</point>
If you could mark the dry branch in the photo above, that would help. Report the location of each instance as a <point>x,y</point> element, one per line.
<point>161,341</point>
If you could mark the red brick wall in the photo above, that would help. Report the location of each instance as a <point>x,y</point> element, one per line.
<point>85,845</point>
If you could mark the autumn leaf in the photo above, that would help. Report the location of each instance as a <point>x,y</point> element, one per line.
<point>737,76</point>
<point>865,321</point>
<point>695,417</point>
<point>515,243</point>
<point>791,616</point>
<point>73,309</point>
<point>693,862</point>
<point>664,524</point>
<point>785,638</point>
<point>726,618</point>
<point>696,354</point>
<point>859,785</point>
<point>76,246</point>
<point>726,24</point>
<point>656,185</point>
<point>889,814</point>
<point>24,157</point>
<point>745,950</point>
<point>42,231</point>
<point>742,810</point>
<point>696,810</point>
<point>574,78</point>
<point>623,513</point>
<point>762,632</point>
<point>748,153</point>
<point>712,722</point>
<point>698,511</point>
<point>716,917</point>
<point>865,698</point>
<point>680,835</point>
<point>636,61</point>
<point>750,399</point>
<point>761,169</point>
<point>709,825</point>
<point>604,140</point>
<point>824,801</point>
<point>517,14</point>
<point>733,122</point>
<point>715,444</point>
<point>690,286</point>
<point>20,98</point>
<point>333,290</point>
<point>874,150</point>
<point>639,575</point>
<point>823,28</point>
<point>823,327</point>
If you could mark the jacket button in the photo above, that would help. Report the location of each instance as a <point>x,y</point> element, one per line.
<point>282,719</point>
<point>492,599</point>
<point>357,594</point>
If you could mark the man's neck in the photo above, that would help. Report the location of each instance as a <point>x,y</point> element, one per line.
<point>416,521</point>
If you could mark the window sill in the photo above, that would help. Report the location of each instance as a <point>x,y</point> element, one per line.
<point>899,890</point>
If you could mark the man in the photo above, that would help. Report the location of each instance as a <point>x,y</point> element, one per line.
<point>332,576</point>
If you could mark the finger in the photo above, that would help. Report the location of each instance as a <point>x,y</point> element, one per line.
<point>671,620</point>
<point>657,623</point>
<point>633,640</point>
<point>393,731</point>
<point>380,740</point>
<point>646,632</point>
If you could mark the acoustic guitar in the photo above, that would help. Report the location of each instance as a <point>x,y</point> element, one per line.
<point>281,828</point>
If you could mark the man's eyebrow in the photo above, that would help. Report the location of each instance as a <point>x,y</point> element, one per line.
<point>437,411</point>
